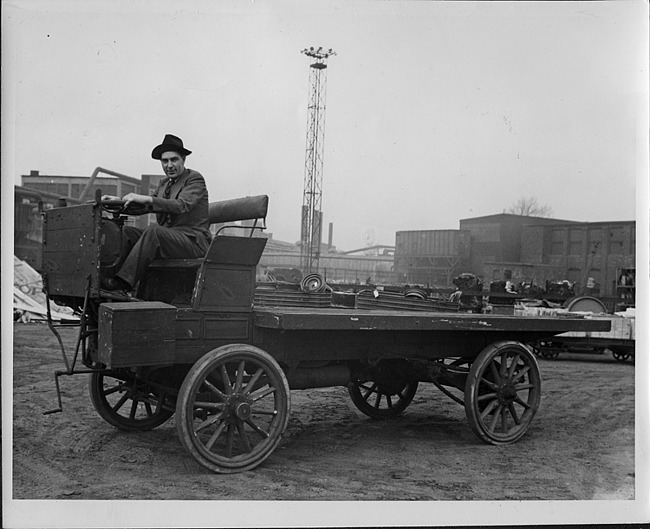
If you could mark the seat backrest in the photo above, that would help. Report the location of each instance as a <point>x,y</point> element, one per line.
<point>246,208</point>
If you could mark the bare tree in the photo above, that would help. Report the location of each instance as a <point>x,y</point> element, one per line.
<point>530,207</point>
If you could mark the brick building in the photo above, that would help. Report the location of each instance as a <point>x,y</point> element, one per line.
<point>593,255</point>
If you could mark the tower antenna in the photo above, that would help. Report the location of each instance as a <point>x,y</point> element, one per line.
<point>310,235</point>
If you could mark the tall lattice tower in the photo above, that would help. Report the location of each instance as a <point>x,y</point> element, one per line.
<point>310,236</point>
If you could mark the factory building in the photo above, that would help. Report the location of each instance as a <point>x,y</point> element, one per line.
<point>597,257</point>
<point>431,257</point>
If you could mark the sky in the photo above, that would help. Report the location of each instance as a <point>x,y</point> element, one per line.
<point>435,111</point>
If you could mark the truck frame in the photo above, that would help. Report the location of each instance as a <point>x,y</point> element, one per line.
<point>204,341</point>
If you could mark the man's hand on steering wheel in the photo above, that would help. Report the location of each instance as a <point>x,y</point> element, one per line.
<point>130,204</point>
<point>135,198</point>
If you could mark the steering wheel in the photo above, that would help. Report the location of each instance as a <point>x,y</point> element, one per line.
<point>117,207</point>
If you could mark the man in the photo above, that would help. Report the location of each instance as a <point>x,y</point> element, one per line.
<point>181,207</point>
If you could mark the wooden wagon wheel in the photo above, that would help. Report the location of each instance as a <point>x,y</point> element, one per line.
<point>550,354</point>
<point>621,356</point>
<point>502,392</point>
<point>232,408</point>
<point>387,394</point>
<point>127,402</point>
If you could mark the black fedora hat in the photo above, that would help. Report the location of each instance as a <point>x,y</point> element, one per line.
<point>170,143</point>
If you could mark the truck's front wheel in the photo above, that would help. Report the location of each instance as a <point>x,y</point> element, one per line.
<point>232,408</point>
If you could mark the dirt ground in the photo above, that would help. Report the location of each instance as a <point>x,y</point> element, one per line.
<point>580,446</point>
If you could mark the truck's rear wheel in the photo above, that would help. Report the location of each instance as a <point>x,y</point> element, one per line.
<point>232,408</point>
<point>621,355</point>
<point>502,392</point>
<point>387,393</point>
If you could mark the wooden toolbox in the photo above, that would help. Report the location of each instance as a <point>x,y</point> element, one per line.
<point>136,334</point>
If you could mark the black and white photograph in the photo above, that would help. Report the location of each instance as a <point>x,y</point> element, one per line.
<point>325,263</point>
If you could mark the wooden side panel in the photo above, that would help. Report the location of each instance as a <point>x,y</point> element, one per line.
<point>234,329</point>
<point>222,287</point>
<point>71,249</point>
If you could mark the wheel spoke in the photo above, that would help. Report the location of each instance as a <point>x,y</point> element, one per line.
<point>215,389</point>
<point>495,373</point>
<point>230,436</point>
<point>244,438</point>
<point>513,412</point>
<point>159,403</point>
<point>134,408</point>
<point>240,376</point>
<point>147,407</point>
<point>521,373</point>
<point>251,383</point>
<point>389,401</point>
<point>504,419</point>
<point>266,412</point>
<point>370,389</point>
<point>260,394</point>
<point>226,379</point>
<point>522,403</point>
<point>215,435</point>
<point>257,428</point>
<point>209,405</point>
<point>489,383</point>
<point>120,403</point>
<point>486,396</point>
<point>488,409</point>
<point>209,422</point>
<point>495,417</point>
<point>377,400</point>
<point>513,366</point>
<point>503,364</point>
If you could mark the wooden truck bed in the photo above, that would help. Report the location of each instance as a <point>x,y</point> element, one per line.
<point>297,334</point>
<point>296,318</point>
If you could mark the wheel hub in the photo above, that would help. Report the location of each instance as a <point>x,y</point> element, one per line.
<point>507,393</point>
<point>243,410</point>
<point>239,407</point>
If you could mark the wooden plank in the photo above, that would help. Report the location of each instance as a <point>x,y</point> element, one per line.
<point>288,318</point>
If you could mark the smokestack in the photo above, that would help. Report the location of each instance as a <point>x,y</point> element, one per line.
<point>330,235</point>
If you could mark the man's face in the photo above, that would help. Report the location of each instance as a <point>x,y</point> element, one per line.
<point>172,163</point>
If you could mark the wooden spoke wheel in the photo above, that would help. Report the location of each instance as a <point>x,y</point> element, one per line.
<point>232,408</point>
<point>386,393</point>
<point>502,392</point>
<point>550,354</point>
<point>127,402</point>
<point>620,355</point>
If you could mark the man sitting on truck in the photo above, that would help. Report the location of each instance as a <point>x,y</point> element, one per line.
<point>181,206</point>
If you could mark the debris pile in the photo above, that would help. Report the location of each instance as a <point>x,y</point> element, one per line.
<point>29,300</point>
